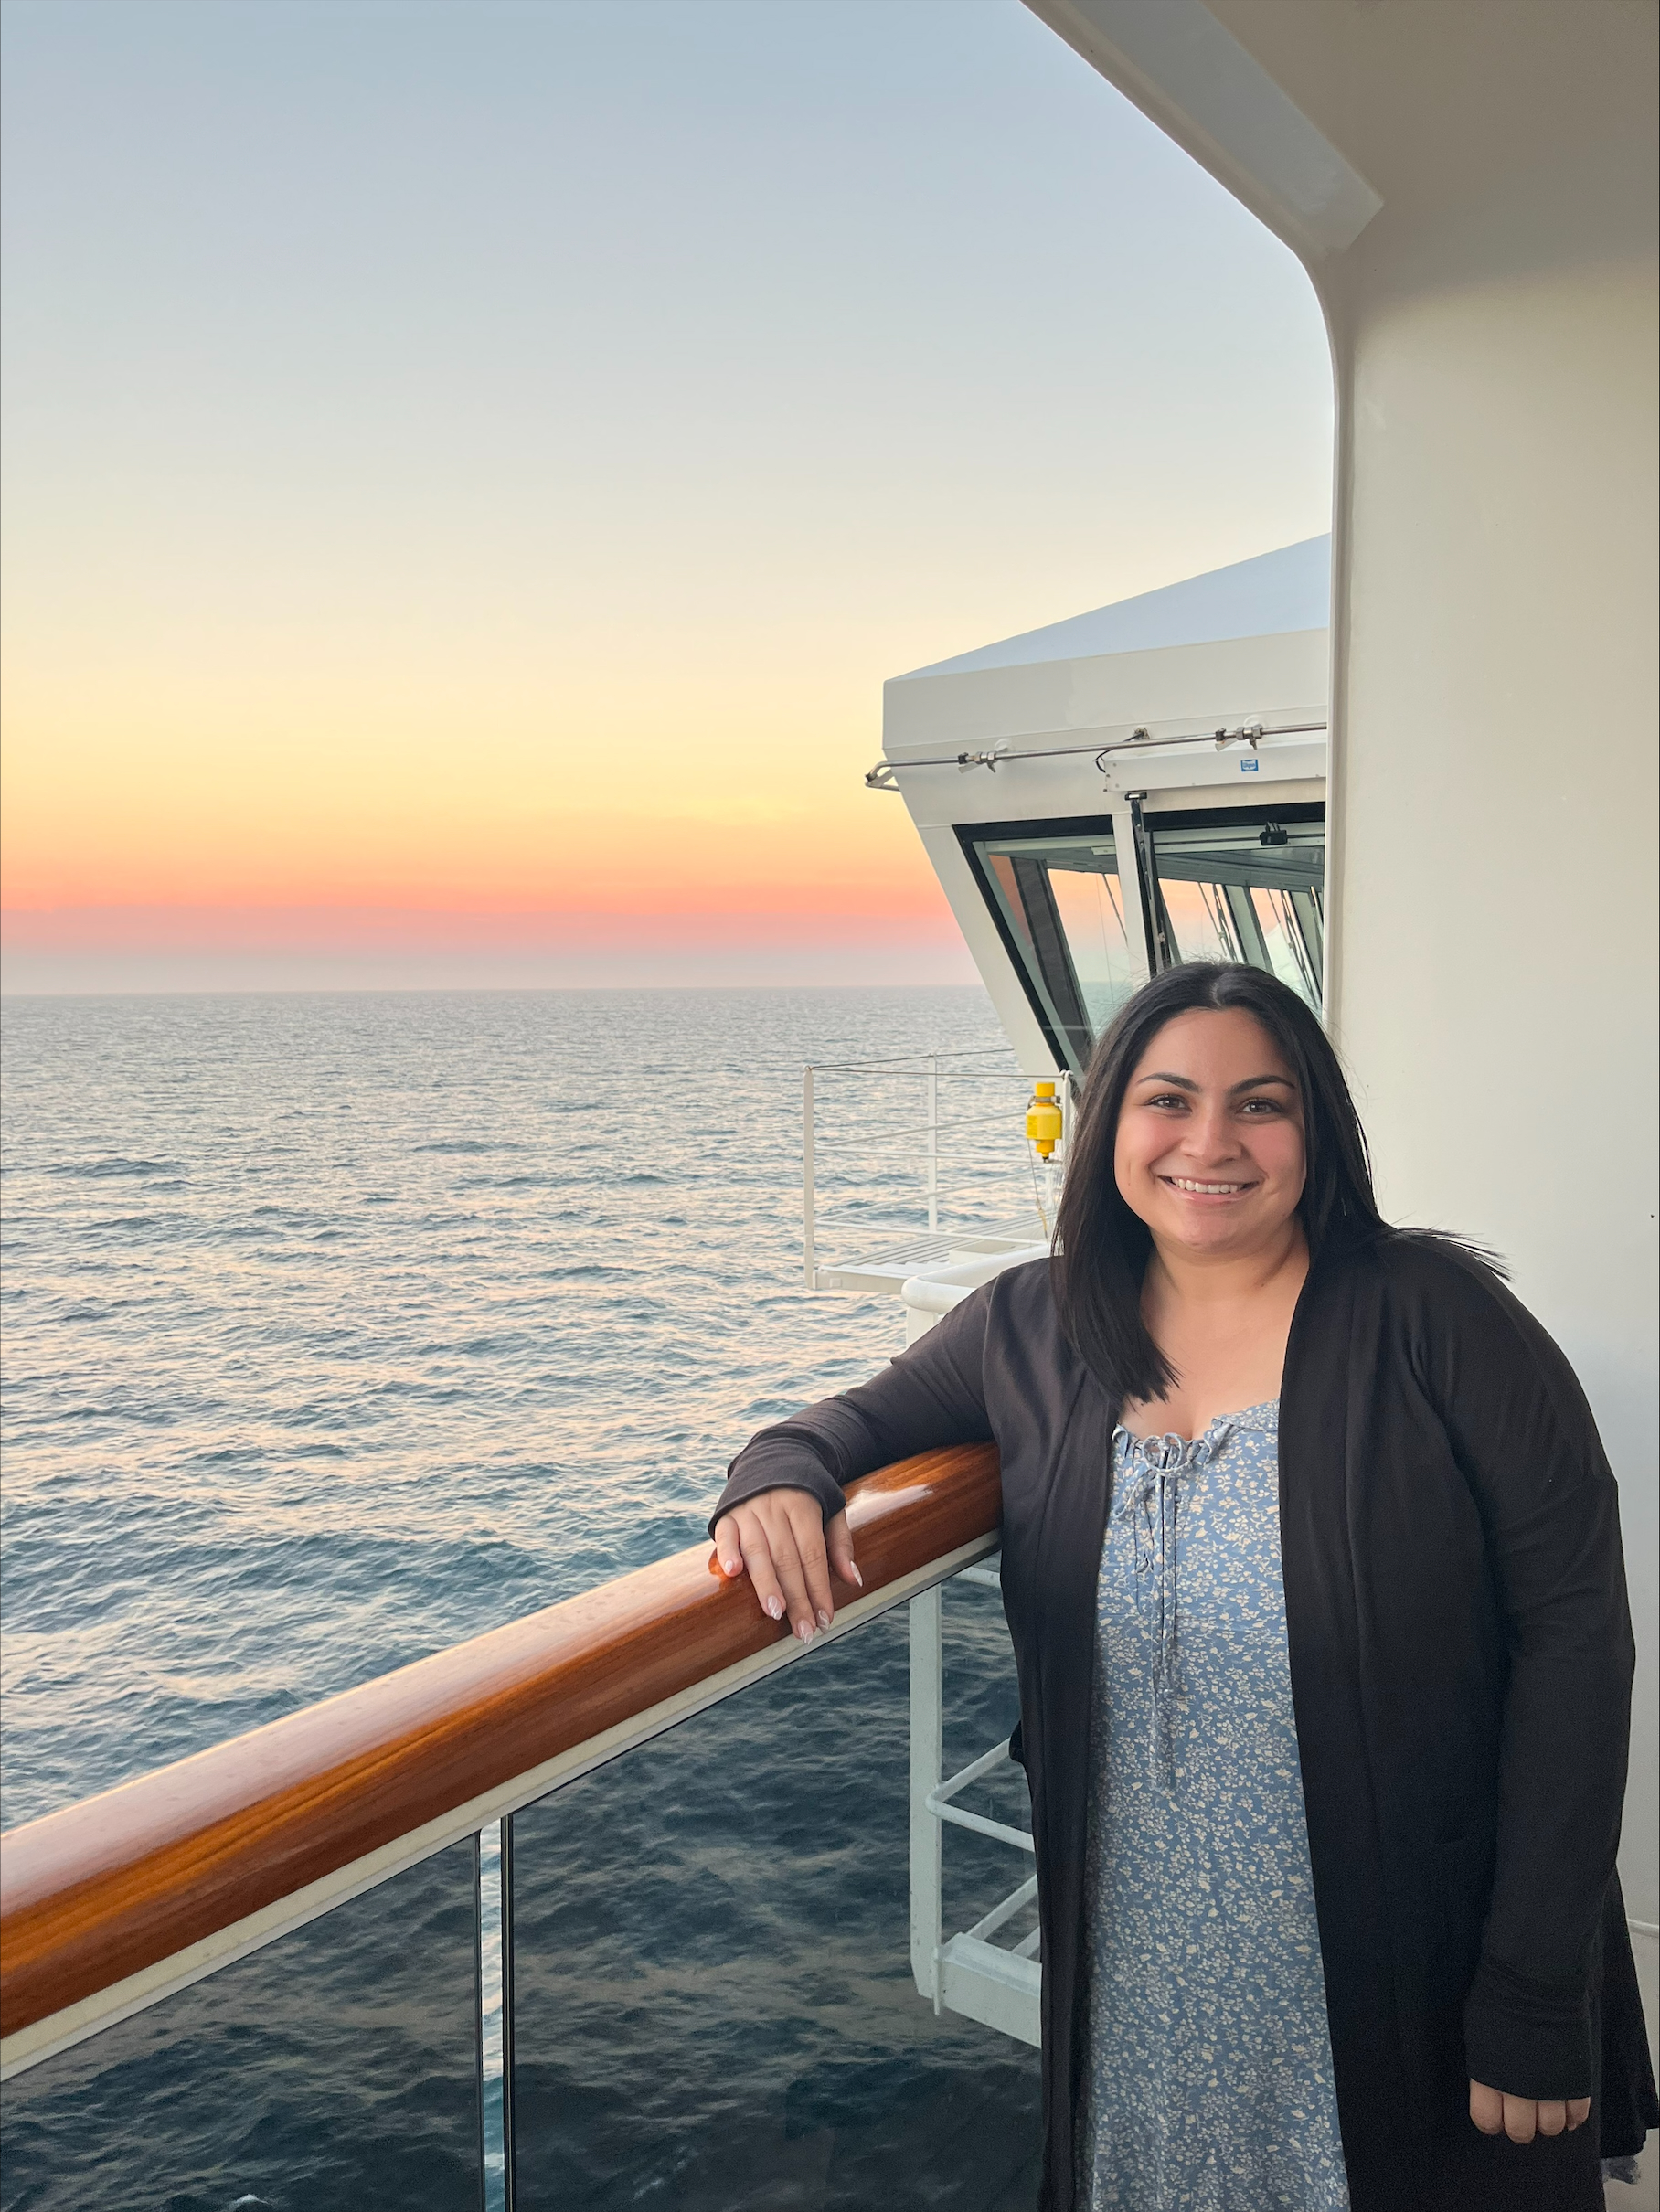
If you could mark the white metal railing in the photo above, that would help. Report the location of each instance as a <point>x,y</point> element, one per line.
<point>940,1802</point>
<point>948,1174</point>
<point>968,1198</point>
<point>967,1972</point>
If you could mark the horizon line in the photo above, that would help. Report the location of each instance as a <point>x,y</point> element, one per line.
<point>473,990</point>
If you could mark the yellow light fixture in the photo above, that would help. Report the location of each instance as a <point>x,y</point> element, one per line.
<point>1043,1124</point>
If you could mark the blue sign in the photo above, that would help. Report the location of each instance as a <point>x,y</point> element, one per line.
<point>1250,768</point>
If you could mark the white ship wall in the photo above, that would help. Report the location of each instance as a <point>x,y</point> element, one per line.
<point>1472,189</point>
<point>1494,816</point>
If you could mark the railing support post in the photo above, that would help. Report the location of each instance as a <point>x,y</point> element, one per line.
<point>809,1264</point>
<point>933,1145</point>
<point>508,2144</point>
<point>481,2042</point>
<point>927,1751</point>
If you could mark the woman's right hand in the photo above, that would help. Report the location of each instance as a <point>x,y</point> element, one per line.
<point>780,1536</point>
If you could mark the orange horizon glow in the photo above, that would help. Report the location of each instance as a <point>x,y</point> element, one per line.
<point>92,923</point>
<point>499,848</point>
<point>717,876</point>
<point>431,779</point>
<point>487,518</point>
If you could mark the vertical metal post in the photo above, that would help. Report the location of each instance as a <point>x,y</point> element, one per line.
<point>481,2007</point>
<point>927,1750</point>
<point>1063,1151</point>
<point>1138,924</point>
<point>507,2138</point>
<point>1152,905</point>
<point>933,1145</point>
<point>809,1263</point>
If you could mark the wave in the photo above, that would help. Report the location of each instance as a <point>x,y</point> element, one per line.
<point>96,1170</point>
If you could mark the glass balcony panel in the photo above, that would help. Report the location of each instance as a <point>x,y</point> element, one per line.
<point>714,2006</point>
<point>338,2067</point>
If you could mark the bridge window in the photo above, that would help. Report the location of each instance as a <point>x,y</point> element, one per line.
<point>1214,885</point>
<point>1245,888</point>
<point>1060,907</point>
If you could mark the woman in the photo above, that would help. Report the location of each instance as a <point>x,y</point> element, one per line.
<point>1310,1561</point>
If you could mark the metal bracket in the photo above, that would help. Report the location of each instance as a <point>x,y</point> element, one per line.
<point>967,760</point>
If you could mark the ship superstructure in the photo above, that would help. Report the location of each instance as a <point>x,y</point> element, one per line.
<point>1135,786</point>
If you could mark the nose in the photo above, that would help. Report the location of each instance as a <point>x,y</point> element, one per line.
<point>1211,1134</point>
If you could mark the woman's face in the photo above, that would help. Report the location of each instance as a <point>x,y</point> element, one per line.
<point>1209,1149</point>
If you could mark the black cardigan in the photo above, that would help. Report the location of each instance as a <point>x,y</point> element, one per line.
<point>1461,1661</point>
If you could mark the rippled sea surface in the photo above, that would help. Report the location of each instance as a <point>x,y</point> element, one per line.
<point>340,1327</point>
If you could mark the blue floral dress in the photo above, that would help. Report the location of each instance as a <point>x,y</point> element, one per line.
<point>1209,2083</point>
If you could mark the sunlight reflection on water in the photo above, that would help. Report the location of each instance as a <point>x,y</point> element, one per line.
<point>340,1328</point>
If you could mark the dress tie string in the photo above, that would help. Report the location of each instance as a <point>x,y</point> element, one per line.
<point>1158,1464</point>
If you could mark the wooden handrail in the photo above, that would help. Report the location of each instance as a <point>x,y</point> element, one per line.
<point>120,1882</point>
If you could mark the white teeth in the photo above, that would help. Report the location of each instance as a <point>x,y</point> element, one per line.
<point>1208,1189</point>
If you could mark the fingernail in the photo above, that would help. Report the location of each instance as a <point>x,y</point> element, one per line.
<point>855,1577</point>
<point>804,1629</point>
<point>775,1606</point>
<point>731,1567</point>
<point>823,1618</point>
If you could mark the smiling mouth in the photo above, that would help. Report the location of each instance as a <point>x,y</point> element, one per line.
<point>1207,1190</point>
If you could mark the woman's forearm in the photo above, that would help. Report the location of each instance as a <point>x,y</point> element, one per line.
<point>932,1394</point>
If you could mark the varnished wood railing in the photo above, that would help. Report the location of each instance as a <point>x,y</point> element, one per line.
<point>121,1883</point>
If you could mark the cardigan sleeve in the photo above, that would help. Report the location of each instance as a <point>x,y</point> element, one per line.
<point>932,1394</point>
<point>1526,1438</point>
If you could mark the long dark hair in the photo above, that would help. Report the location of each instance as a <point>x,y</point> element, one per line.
<point>1101,1246</point>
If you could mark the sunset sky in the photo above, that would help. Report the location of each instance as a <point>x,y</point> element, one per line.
<point>469,466</point>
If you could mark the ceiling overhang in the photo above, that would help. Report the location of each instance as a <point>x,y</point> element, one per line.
<point>1190,75</point>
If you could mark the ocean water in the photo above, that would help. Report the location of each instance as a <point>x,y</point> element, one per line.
<point>340,1328</point>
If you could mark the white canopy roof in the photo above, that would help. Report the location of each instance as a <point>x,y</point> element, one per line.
<point>1248,641</point>
<point>1286,589</point>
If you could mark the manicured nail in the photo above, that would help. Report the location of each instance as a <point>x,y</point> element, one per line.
<point>775,1606</point>
<point>731,1567</point>
<point>804,1629</point>
<point>855,1577</point>
<point>823,1618</point>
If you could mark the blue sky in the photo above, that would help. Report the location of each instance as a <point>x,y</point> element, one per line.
<point>416,411</point>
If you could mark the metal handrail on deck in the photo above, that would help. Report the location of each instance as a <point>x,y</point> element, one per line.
<point>115,1902</point>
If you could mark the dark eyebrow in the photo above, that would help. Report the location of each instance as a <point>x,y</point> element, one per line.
<point>1252,1082</point>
